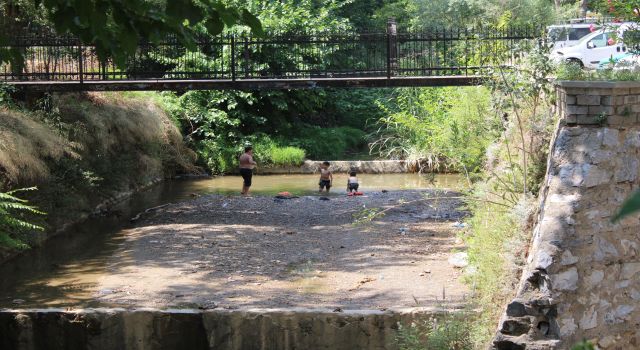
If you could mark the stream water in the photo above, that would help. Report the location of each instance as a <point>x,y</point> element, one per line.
<point>65,271</point>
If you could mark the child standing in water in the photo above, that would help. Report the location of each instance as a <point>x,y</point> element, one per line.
<point>326,177</point>
<point>352,182</point>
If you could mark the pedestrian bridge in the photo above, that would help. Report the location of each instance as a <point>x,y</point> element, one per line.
<point>389,58</point>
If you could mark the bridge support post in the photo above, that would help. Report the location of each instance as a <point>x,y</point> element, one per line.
<point>392,47</point>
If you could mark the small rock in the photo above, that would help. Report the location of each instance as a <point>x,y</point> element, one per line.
<point>459,260</point>
<point>18,301</point>
<point>607,341</point>
<point>341,246</point>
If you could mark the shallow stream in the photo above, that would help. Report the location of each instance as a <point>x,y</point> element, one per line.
<point>66,270</point>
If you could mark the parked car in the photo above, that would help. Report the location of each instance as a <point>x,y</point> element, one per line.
<point>566,35</point>
<point>600,45</point>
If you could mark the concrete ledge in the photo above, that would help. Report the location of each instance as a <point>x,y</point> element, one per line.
<point>150,329</point>
<point>344,166</point>
<point>597,84</point>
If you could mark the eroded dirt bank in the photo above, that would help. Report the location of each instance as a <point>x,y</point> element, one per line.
<point>234,252</point>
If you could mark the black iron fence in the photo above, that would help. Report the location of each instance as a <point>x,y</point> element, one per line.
<point>437,52</point>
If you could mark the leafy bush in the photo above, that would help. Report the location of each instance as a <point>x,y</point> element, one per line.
<point>12,222</point>
<point>221,155</point>
<point>446,128</point>
<point>330,143</point>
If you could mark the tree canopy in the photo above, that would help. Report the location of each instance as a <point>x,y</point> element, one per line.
<point>115,27</point>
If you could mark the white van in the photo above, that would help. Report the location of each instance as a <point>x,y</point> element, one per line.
<point>566,35</point>
<point>593,48</point>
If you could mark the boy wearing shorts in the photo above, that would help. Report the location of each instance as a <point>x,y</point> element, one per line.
<point>352,182</point>
<point>246,169</point>
<point>326,177</point>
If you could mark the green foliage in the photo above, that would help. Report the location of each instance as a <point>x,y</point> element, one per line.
<point>495,240</point>
<point>624,10</point>
<point>5,95</point>
<point>449,331</point>
<point>422,14</point>
<point>447,128</point>
<point>573,71</point>
<point>329,143</point>
<point>115,27</point>
<point>502,203</point>
<point>583,345</point>
<point>521,96</point>
<point>12,218</point>
<point>286,156</point>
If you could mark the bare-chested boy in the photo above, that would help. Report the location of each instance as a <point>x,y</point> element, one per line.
<point>246,169</point>
<point>326,177</point>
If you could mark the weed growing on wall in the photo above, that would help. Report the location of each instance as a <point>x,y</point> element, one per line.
<point>502,204</point>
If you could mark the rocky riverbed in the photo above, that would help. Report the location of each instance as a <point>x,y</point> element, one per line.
<point>233,252</point>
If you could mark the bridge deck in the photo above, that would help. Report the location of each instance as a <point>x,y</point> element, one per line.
<point>246,84</point>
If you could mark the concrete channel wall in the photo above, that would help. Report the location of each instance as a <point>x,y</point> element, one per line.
<point>582,278</point>
<point>150,329</point>
<point>344,166</point>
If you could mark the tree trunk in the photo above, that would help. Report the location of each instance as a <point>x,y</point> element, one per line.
<point>584,7</point>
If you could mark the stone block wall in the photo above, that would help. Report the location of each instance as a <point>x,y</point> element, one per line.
<point>582,278</point>
<point>184,329</point>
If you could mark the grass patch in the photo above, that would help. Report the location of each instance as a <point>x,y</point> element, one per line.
<point>80,149</point>
<point>286,156</point>
<point>449,331</point>
<point>495,248</point>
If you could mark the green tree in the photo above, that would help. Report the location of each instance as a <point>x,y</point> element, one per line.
<point>116,26</point>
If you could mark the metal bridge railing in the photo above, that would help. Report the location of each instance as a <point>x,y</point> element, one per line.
<point>309,55</point>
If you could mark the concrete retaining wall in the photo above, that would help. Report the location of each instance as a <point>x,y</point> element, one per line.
<point>149,329</point>
<point>344,166</point>
<point>582,279</point>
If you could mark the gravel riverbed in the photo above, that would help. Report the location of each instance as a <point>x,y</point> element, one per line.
<point>232,252</point>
